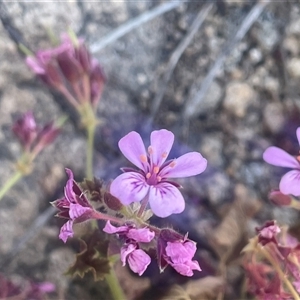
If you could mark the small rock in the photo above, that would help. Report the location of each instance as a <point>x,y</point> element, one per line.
<point>293,67</point>
<point>210,101</point>
<point>273,117</point>
<point>294,27</point>
<point>59,261</point>
<point>218,188</point>
<point>255,55</point>
<point>266,34</point>
<point>212,149</point>
<point>291,44</point>
<point>238,97</point>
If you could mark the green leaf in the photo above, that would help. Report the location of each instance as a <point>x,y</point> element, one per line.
<point>92,257</point>
<point>94,188</point>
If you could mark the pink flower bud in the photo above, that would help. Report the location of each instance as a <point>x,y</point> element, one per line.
<point>280,199</point>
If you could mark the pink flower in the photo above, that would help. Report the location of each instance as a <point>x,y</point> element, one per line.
<point>138,260</point>
<point>268,232</point>
<point>152,180</point>
<point>74,207</point>
<point>177,251</point>
<point>179,255</point>
<point>290,182</point>
<point>143,235</point>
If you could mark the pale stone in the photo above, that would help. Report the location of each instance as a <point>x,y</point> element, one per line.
<point>238,97</point>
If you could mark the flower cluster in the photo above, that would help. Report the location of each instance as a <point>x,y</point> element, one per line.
<point>70,69</point>
<point>32,138</point>
<point>134,232</point>
<point>273,263</point>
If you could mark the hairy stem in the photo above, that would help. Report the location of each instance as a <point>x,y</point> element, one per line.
<point>114,285</point>
<point>10,183</point>
<point>143,206</point>
<point>90,150</point>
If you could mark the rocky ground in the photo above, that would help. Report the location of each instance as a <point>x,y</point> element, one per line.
<point>252,102</point>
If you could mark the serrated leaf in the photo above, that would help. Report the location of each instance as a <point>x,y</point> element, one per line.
<point>92,257</point>
<point>94,188</point>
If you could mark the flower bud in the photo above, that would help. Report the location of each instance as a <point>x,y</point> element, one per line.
<point>25,129</point>
<point>83,56</point>
<point>112,202</point>
<point>280,199</point>
<point>69,66</point>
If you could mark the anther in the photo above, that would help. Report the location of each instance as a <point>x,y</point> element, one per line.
<point>143,158</point>
<point>164,155</point>
<point>156,170</point>
<point>158,178</point>
<point>148,175</point>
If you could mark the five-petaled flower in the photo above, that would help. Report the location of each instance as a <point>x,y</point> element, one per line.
<point>138,259</point>
<point>290,182</point>
<point>152,180</point>
<point>74,206</point>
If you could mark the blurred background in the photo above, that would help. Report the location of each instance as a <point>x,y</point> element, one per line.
<point>222,75</point>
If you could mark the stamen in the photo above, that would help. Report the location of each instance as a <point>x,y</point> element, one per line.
<point>164,155</point>
<point>148,175</point>
<point>156,170</point>
<point>143,158</point>
<point>298,158</point>
<point>158,178</point>
<point>150,150</point>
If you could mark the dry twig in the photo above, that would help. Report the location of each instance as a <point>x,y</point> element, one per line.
<point>176,56</point>
<point>191,107</point>
<point>134,23</point>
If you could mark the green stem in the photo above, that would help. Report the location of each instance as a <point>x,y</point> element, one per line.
<point>90,148</point>
<point>10,183</point>
<point>114,286</point>
<point>280,273</point>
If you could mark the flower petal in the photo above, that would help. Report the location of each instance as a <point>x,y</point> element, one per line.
<point>35,65</point>
<point>144,235</point>
<point>165,200</point>
<point>129,187</point>
<point>187,268</point>
<point>66,231</point>
<point>132,147</point>
<point>138,261</point>
<point>278,157</point>
<point>181,252</point>
<point>290,183</point>
<point>161,142</point>
<point>80,213</point>
<point>108,228</point>
<point>125,251</point>
<point>69,193</point>
<point>298,134</point>
<point>189,164</point>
